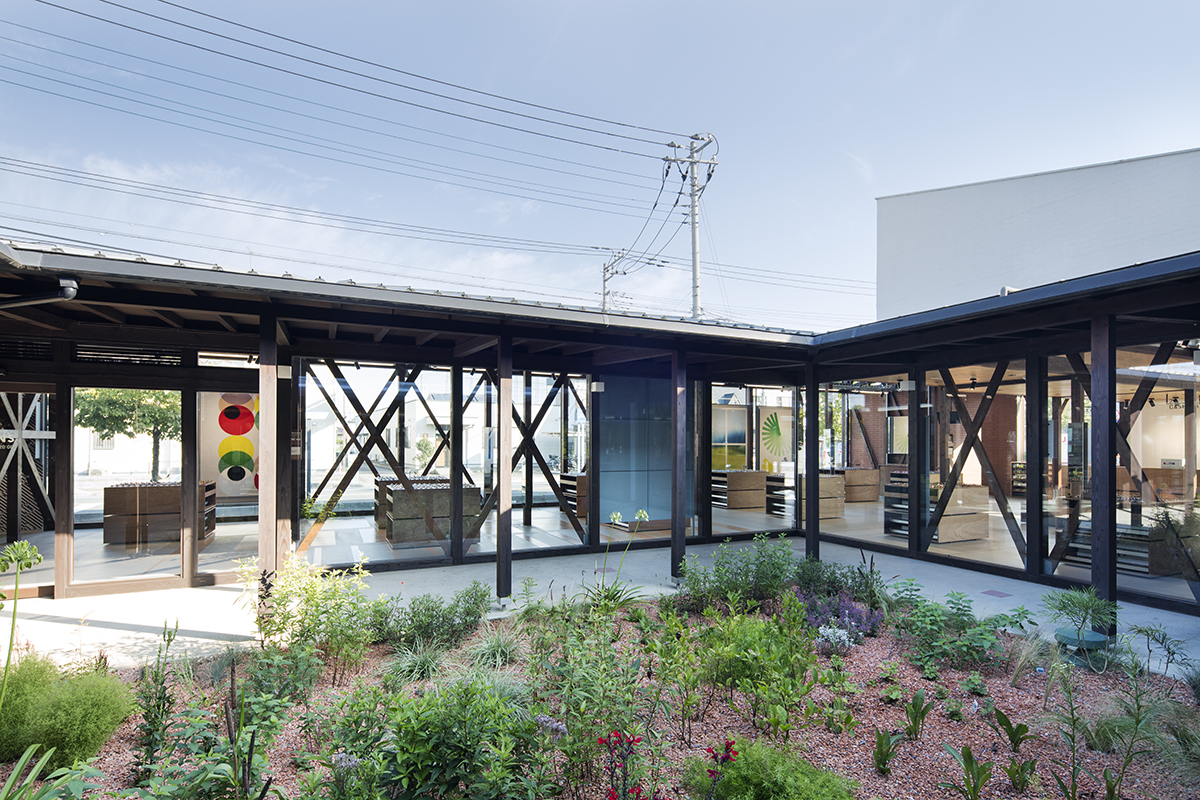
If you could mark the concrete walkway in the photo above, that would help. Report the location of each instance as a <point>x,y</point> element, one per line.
<point>127,627</point>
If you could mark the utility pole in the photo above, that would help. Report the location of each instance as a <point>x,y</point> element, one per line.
<point>698,142</point>
<point>610,269</point>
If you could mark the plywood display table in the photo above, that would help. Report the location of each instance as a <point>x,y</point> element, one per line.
<point>862,485</point>
<point>832,498</point>
<point>967,515</point>
<point>139,513</point>
<point>405,511</point>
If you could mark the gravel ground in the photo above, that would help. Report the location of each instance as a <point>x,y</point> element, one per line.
<point>916,769</point>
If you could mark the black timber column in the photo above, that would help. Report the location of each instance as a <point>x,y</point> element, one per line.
<point>797,437</point>
<point>527,506</point>
<point>1036,425</point>
<point>191,524</point>
<point>679,403</point>
<point>593,464</point>
<point>504,467</point>
<point>284,423</point>
<point>1189,445</point>
<point>296,445</point>
<point>64,485</point>
<point>268,421</point>
<point>918,460</point>
<point>1104,459</point>
<point>456,464</point>
<point>812,463</point>
<point>703,450</point>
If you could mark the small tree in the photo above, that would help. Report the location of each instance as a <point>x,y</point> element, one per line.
<point>130,412</point>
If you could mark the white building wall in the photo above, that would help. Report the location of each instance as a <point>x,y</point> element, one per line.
<point>953,245</point>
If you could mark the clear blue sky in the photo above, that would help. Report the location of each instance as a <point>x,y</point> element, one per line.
<point>818,109</point>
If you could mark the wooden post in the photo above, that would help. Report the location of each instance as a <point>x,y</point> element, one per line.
<point>456,464</point>
<point>1036,425</point>
<point>1189,444</point>
<point>268,416</point>
<point>797,473</point>
<point>191,526</point>
<point>703,499</point>
<point>812,463</point>
<point>64,486</point>
<point>504,450</point>
<point>1104,459</point>
<point>679,400</point>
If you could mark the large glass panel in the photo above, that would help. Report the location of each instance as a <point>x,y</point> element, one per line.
<point>26,489</point>
<point>558,415</point>
<point>864,460</point>
<point>1158,530</point>
<point>977,431</point>
<point>1068,504</point>
<point>127,492</point>
<point>228,492</point>
<point>753,459</point>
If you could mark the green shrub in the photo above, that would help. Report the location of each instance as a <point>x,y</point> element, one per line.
<point>76,716</point>
<point>303,604</point>
<point>29,679</point>
<point>815,578</point>
<point>453,735</point>
<point>950,632</point>
<point>758,572</point>
<point>763,772</point>
<point>430,619</point>
<point>286,674</point>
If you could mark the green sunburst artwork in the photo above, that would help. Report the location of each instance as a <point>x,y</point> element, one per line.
<point>774,440</point>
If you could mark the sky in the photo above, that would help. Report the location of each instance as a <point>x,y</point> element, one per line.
<point>514,149</point>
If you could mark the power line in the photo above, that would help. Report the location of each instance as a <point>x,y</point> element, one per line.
<point>416,75</point>
<point>349,112</point>
<point>308,217</point>
<point>347,87</point>
<point>319,141</point>
<point>317,155</point>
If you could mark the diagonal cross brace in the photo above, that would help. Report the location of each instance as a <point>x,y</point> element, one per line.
<point>998,495</point>
<point>972,426</point>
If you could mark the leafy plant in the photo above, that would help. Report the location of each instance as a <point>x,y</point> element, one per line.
<point>891,694</point>
<point>22,555</point>
<point>428,618</point>
<point>608,597</point>
<point>1191,676</point>
<point>842,611</point>
<point>954,710</point>
<point>887,744</point>
<point>1016,734</point>
<point>764,771</point>
<point>1133,730</point>
<point>1020,773</point>
<point>156,703</point>
<point>1071,728</point>
<point>950,632</point>
<point>1082,609</point>
<point>890,672</point>
<point>32,786</point>
<point>975,773</point>
<point>916,710</point>
<point>1157,639</point>
<point>974,684</point>
<point>284,674</point>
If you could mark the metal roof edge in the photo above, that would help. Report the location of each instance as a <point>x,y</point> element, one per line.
<point>213,277</point>
<point>1059,291</point>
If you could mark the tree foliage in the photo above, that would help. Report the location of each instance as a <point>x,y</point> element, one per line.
<point>130,412</point>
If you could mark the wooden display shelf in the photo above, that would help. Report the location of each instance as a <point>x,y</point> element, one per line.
<point>575,490</point>
<point>739,489</point>
<point>139,513</point>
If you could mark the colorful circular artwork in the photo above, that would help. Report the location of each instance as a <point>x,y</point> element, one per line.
<point>238,470</point>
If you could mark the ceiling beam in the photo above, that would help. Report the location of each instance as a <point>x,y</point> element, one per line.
<point>104,312</point>
<point>381,334</point>
<point>38,317</point>
<point>474,345</point>
<point>625,355</point>
<point>422,339</point>
<point>169,317</point>
<point>227,322</point>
